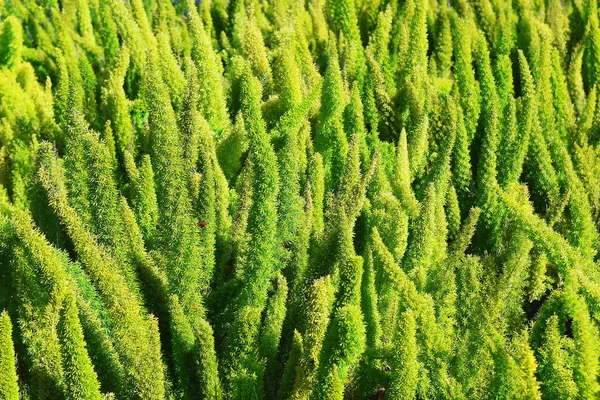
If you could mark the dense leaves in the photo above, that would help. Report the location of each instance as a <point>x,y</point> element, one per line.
<point>317,199</point>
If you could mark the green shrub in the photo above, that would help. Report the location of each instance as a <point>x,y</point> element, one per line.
<point>320,199</point>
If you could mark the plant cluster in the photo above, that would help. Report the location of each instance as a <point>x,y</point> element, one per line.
<point>314,199</point>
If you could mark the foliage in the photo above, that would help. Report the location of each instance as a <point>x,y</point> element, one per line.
<point>324,199</point>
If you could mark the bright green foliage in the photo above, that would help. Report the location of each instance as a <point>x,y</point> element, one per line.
<point>287,73</point>
<point>271,331</point>
<point>401,179</point>
<point>381,40</point>
<point>211,97</point>
<point>369,304</point>
<point>292,367</point>
<point>257,269</point>
<point>36,263</point>
<point>382,261</point>
<point>416,52</point>
<point>316,179</point>
<point>487,183</point>
<point>439,170</point>
<point>555,372</point>
<point>345,338</point>
<point>341,350</point>
<point>525,359</point>
<point>115,104</point>
<point>8,381</point>
<point>254,51</point>
<point>592,44</point>
<point>452,212</point>
<point>405,366</point>
<point>177,232</point>
<point>96,187</point>
<point>193,354</point>
<point>170,70</point>
<point>417,148</point>
<point>461,159</point>
<point>318,308</point>
<point>11,42</point>
<point>278,199</point>
<point>142,195</point>
<point>100,346</point>
<point>378,102</point>
<point>417,259</point>
<point>231,149</point>
<point>444,43</point>
<point>468,87</point>
<point>80,378</point>
<point>342,18</point>
<point>516,147</point>
<point>331,140</point>
<point>145,372</point>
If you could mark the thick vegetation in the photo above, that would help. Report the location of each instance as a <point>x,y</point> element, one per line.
<point>314,199</point>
